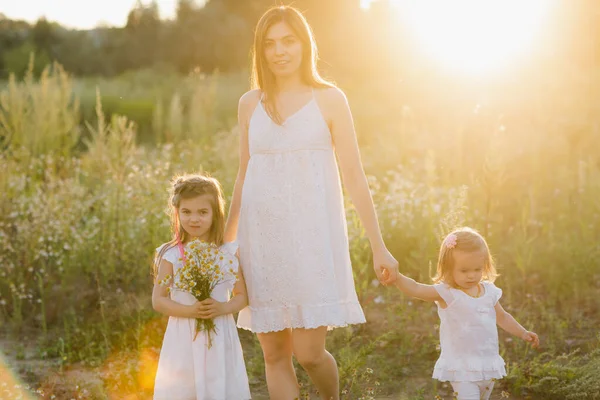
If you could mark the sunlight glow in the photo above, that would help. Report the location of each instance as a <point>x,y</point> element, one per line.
<point>474,36</point>
<point>10,387</point>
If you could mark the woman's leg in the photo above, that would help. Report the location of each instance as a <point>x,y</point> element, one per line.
<point>279,368</point>
<point>309,349</point>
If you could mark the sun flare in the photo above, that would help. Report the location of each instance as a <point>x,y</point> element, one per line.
<point>474,36</point>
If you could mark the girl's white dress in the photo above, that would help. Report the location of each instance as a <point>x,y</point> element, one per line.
<point>292,230</point>
<point>468,336</point>
<point>187,369</point>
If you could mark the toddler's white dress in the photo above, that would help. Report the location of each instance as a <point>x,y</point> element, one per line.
<point>468,336</point>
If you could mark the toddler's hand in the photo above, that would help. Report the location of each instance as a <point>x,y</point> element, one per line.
<point>532,338</point>
<point>385,263</point>
<point>385,274</point>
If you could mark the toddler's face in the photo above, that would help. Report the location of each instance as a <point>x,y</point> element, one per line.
<point>468,268</point>
<point>196,216</point>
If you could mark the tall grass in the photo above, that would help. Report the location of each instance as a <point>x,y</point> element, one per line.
<point>83,209</point>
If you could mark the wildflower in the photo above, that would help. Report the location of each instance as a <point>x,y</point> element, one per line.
<point>199,276</point>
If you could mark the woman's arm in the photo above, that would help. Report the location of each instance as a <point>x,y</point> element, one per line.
<point>160,295</point>
<point>245,107</point>
<point>211,308</point>
<point>355,181</point>
<point>507,322</point>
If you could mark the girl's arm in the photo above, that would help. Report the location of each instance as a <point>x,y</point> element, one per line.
<point>245,107</point>
<point>507,322</point>
<point>211,308</point>
<point>355,181</point>
<point>419,290</point>
<point>160,295</point>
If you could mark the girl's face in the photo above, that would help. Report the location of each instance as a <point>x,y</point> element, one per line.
<point>196,216</point>
<point>283,50</point>
<point>468,268</point>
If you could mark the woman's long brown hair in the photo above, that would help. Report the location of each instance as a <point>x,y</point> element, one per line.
<point>262,77</point>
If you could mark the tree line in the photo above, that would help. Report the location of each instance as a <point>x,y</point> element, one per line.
<point>218,35</point>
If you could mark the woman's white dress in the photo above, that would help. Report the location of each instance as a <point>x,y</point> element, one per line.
<point>292,230</point>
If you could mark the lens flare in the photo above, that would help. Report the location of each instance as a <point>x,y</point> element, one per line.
<point>10,386</point>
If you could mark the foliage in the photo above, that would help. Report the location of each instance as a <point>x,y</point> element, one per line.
<point>79,226</point>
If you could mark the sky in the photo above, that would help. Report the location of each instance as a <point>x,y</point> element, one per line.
<point>82,14</point>
<point>87,14</point>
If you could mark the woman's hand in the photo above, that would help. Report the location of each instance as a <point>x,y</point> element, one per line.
<point>209,308</point>
<point>385,266</point>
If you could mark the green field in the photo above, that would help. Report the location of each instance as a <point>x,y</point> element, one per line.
<point>84,176</point>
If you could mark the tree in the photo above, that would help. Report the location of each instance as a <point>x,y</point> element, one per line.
<point>143,33</point>
<point>17,60</point>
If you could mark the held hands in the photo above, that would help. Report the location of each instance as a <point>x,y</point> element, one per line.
<point>385,266</point>
<point>209,308</point>
<point>532,338</point>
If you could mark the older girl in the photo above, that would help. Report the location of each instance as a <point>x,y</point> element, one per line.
<point>187,368</point>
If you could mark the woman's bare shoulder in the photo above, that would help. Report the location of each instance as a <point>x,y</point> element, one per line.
<point>250,98</point>
<point>331,94</point>
<point>331,98</point>
<point>247,104</point>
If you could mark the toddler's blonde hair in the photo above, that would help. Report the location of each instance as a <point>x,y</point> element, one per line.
<point>468,240</point>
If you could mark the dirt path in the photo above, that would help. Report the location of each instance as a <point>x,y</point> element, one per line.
<point>21,368</point>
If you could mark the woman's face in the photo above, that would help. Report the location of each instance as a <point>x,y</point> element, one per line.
<point>283,50</point>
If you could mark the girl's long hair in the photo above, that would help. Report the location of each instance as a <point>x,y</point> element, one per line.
<point>188,187</point>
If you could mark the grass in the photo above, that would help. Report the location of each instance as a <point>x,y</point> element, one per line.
<point>80,219</point>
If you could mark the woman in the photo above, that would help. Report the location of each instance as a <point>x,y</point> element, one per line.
<point>288,207</point>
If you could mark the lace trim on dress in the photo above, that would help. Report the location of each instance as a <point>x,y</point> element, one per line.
<point>469,369</point>
<point>302,316</point>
